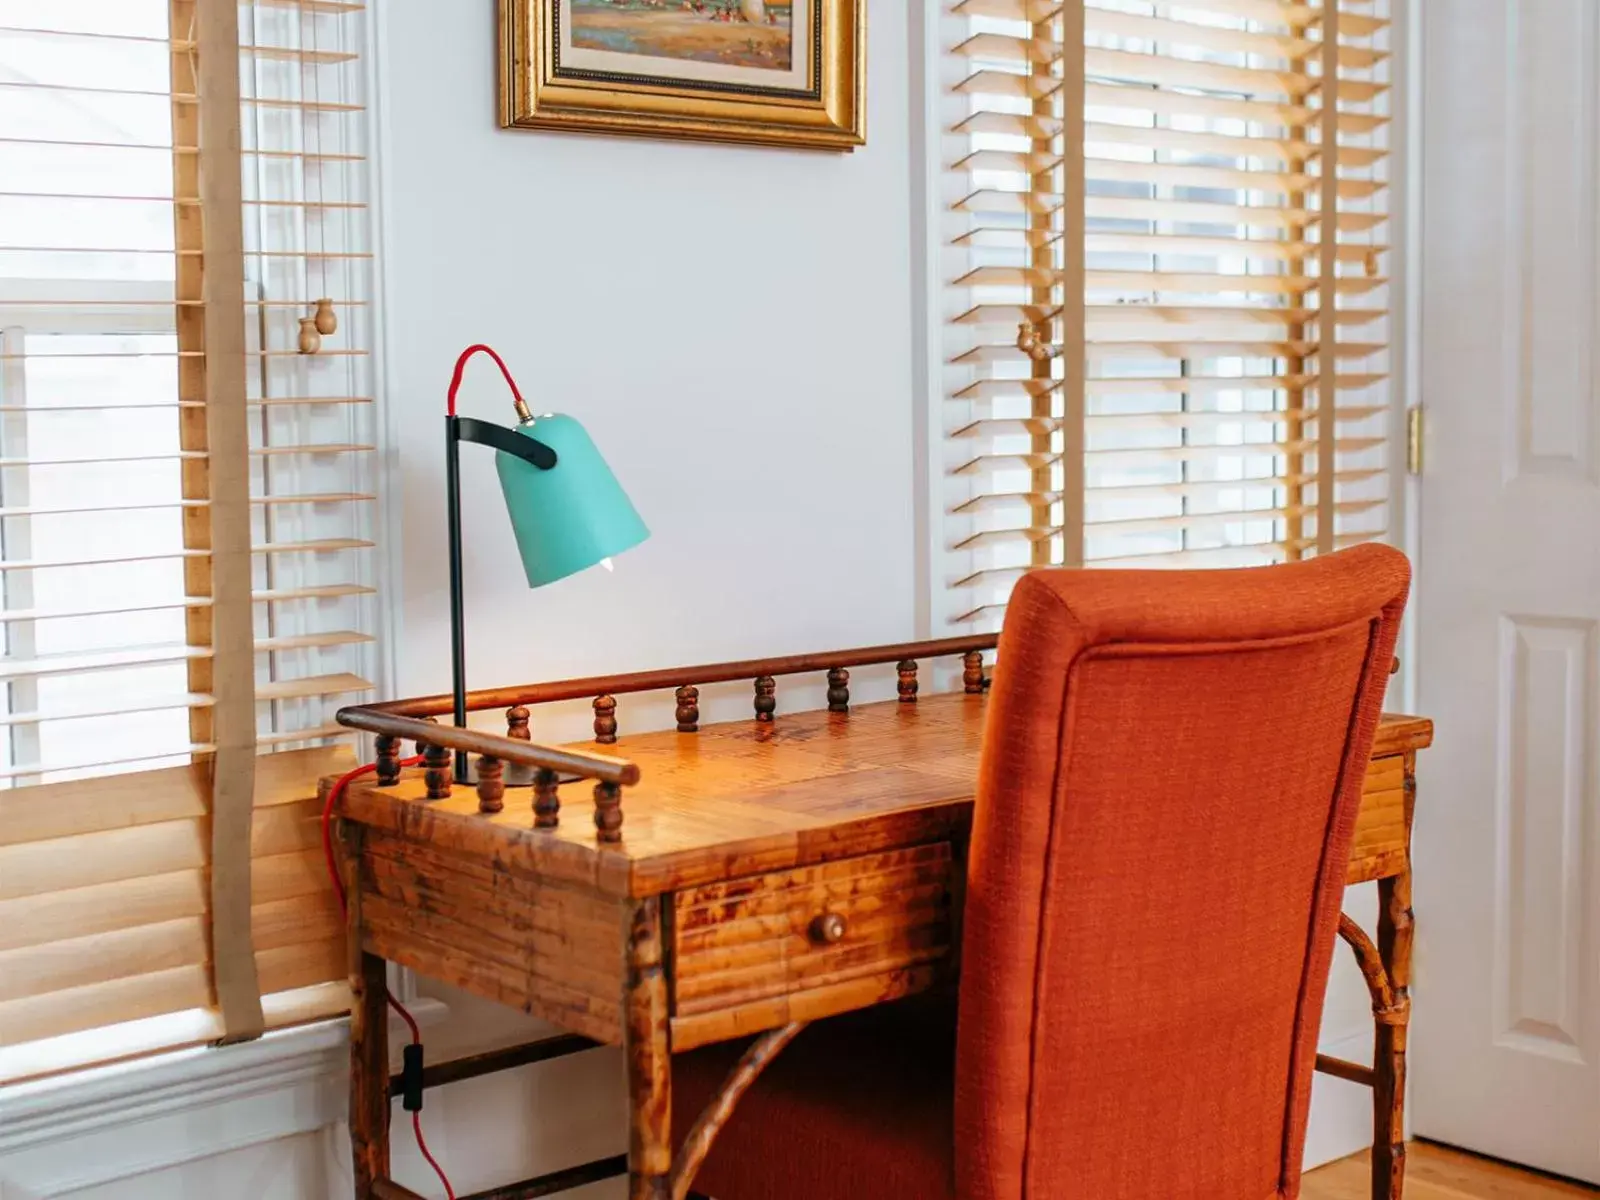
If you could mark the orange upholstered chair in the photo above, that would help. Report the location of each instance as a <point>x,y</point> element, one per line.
<point>1171,772</point>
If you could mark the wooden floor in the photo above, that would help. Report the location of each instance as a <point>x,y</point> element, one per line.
<point>1439,1173</point>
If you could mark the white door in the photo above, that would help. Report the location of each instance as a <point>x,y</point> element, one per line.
<point>1506,1029</point>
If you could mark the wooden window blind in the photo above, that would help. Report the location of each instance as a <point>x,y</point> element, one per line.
<point>187,506</point>
<point>1168,316</point>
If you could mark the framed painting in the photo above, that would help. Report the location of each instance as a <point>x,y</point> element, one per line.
<point>778,72</point>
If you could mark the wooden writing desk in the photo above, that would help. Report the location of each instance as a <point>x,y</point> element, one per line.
<point>767,872</point>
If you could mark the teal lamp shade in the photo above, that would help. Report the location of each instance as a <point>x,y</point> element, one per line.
<point>572,516</point>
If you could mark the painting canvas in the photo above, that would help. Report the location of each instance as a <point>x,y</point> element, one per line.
<point>750,34</point>
<point>786,71</point>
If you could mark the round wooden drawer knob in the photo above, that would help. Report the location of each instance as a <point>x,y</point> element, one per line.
<point>827,928</point>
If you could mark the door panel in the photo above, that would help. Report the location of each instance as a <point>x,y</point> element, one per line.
<point>1507,1031</point>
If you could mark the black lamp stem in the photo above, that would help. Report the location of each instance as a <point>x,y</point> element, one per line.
<point>530,450</point>
<point>458,636</point>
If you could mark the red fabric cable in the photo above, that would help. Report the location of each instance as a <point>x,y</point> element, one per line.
<point>461,366</point>
<point>334,793</point>
<point>422,1145</point>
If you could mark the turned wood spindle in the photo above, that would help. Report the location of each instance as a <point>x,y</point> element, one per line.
<point>388,755</point>
<point>517,724</point>
<point>838,690</point>
<point>491,784</point>
<point>608,811</point>
<point>907,669</point>
<point>766,698</point>
<point>972,672</point>
<point>605,720</point>
<point>437,776</point>
<point>422,745</point>
<point>688,713</point>
<point>546,802</point>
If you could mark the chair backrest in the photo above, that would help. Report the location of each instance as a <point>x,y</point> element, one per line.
<point>1172,769</point>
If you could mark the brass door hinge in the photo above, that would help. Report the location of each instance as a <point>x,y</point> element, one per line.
<point>1414,440</point>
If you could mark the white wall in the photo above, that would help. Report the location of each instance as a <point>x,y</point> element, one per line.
<point>732,324</point>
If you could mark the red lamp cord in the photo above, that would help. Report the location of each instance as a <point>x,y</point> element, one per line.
<point>334,793</point>
<point>461,366</point>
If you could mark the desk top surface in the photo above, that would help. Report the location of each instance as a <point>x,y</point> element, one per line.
<point>806,787</point>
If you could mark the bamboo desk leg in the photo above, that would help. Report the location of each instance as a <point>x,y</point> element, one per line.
<point>649,1054</point>
<point>369,1074</point>
<point>369,1040</point>
<point>1396,925</point>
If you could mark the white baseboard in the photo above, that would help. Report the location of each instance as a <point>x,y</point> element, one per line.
<point>93,1127</point>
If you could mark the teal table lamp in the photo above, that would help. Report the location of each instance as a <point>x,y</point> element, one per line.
<point>568,512</point>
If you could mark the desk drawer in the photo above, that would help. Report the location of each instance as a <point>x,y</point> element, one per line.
<point>766,948</point>
<point>1382,838</point>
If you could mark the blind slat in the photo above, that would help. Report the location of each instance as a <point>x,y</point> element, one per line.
<point>281,596</point>
<point>282,689</point>
<point>105,957</point>
<point>1167,72</point>
<point>146,900</point>
<point>71,664</point>
<point>1191,522</point>
<point>1205,491</point>
<point>1030,426</point>
<point>133,997</point>
<point>1172,282</point>
<point>1225,283</point>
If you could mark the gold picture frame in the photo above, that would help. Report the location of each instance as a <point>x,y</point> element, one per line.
<point>710,70</point>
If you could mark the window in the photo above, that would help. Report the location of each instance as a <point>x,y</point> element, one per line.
<point>1152,361</point>
<point>162,424</point>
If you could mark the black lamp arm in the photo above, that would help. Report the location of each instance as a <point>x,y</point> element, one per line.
<point>486,433</point>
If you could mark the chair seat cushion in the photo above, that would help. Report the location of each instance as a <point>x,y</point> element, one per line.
<point>857,1106</point>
